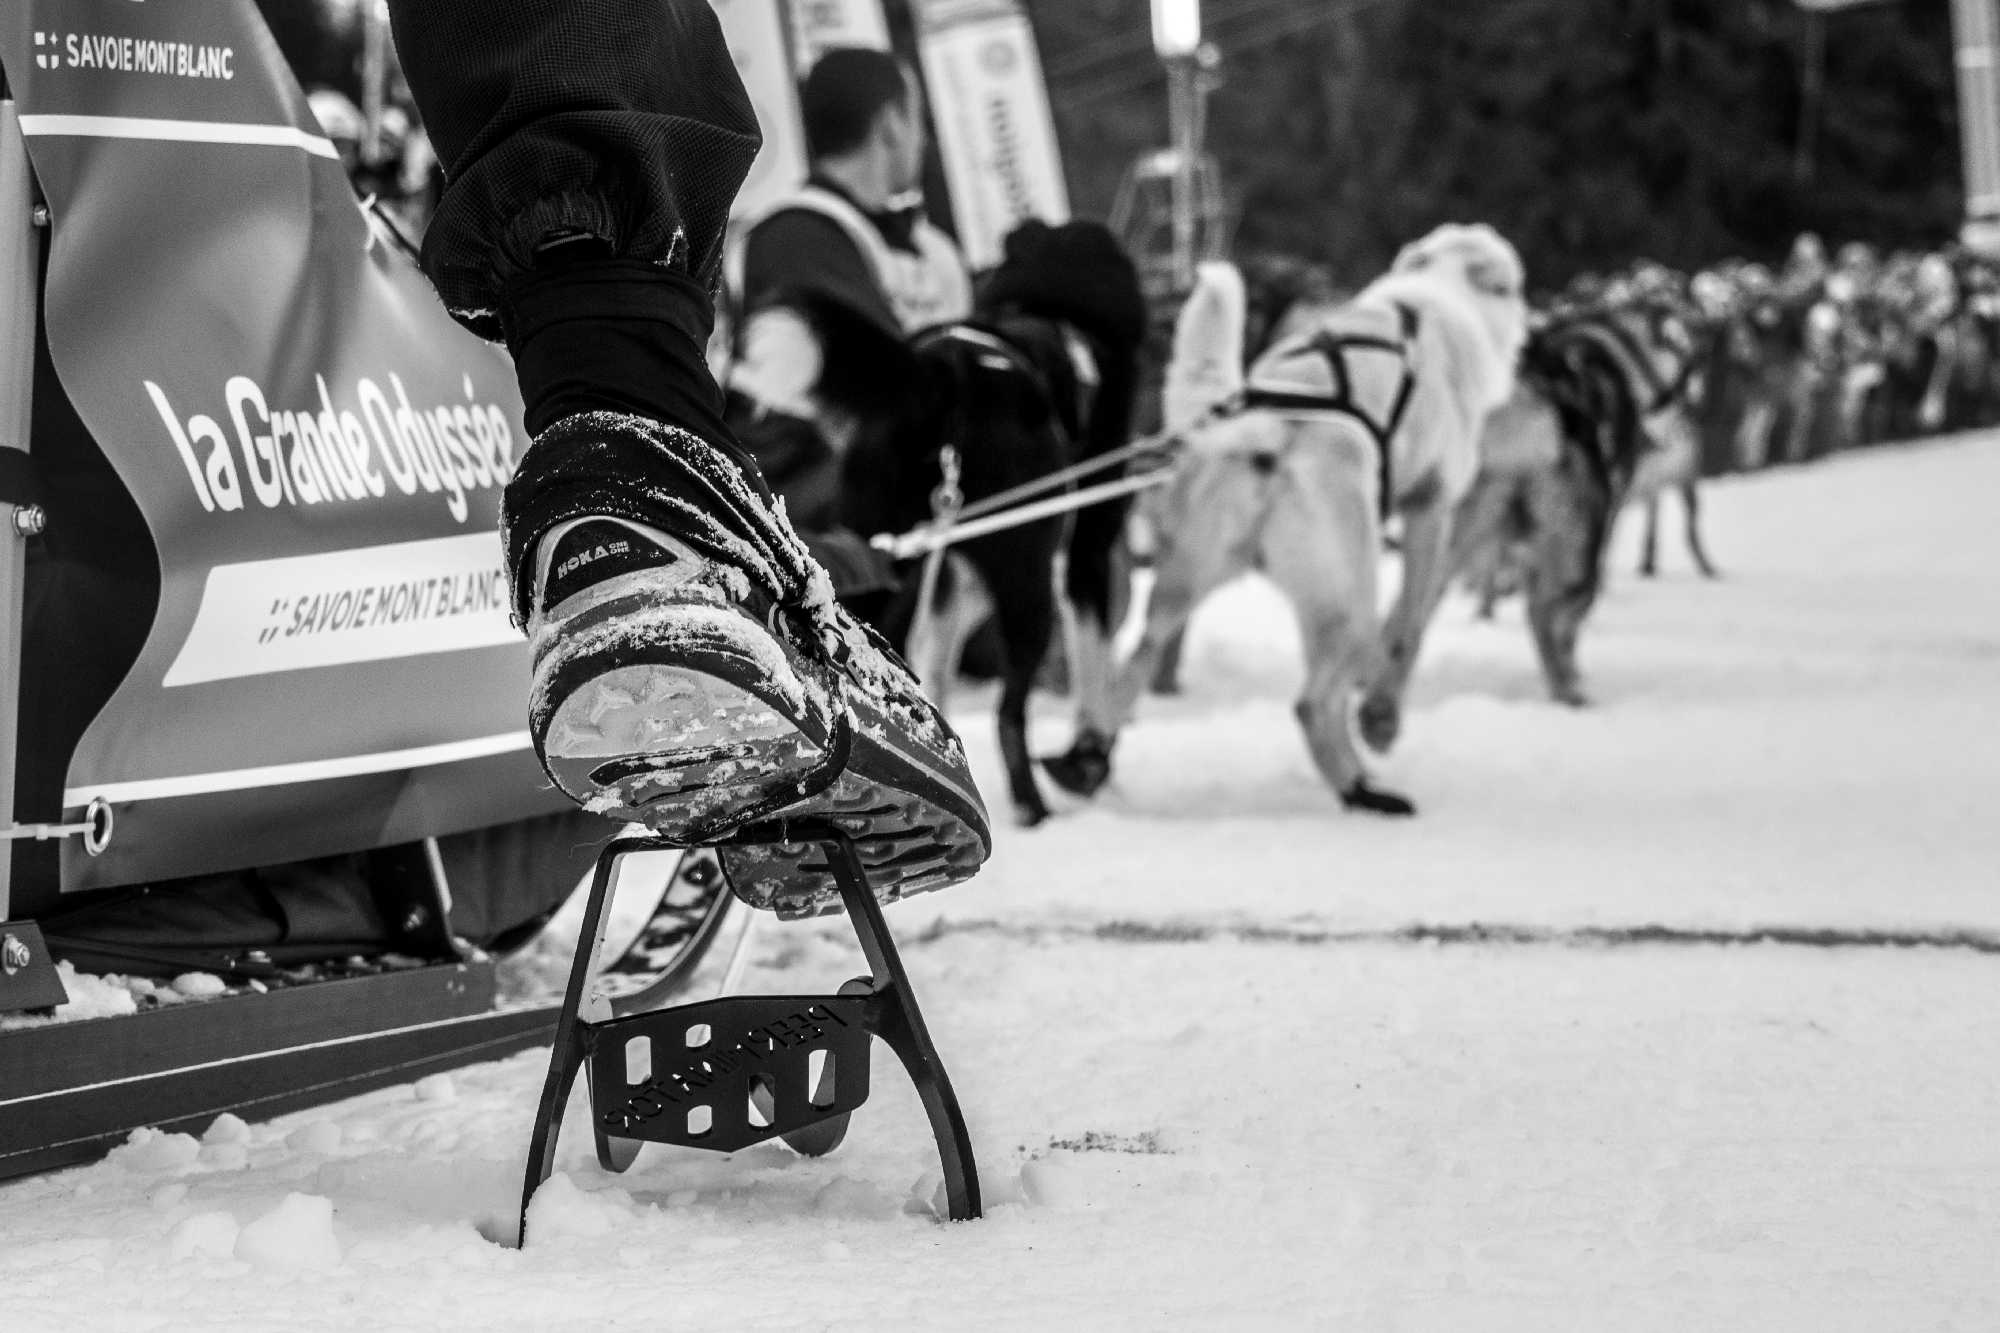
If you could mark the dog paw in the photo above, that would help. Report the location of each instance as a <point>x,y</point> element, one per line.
<point>1078,775</point>
<point>1569,693</point>
<point>1381,720</point>
<point>1375,801</point>
<point>1083,769</point>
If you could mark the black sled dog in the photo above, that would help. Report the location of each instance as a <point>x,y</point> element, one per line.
<point>1041,378</point>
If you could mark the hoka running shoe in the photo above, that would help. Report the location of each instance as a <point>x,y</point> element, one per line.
<point>694,693</point>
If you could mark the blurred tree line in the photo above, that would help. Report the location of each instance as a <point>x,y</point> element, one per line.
<point>1591,132</point>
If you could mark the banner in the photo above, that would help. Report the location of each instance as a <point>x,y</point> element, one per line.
<point>1976,35</point>
<point>755,31</point>
<point>316,448</point>
<point>991,111</point>
<point>819,26</point>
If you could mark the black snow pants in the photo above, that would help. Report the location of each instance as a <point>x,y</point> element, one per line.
<point>592,150</point>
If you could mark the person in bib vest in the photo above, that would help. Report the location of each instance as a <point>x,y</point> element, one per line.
<point>692,669</point>
<point>831,280</point>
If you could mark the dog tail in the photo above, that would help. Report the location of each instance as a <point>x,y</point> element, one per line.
<point>1207,364</point>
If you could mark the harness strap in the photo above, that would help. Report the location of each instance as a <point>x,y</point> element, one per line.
<point>1077,349</point>
<point>980,340</point>
<point>1333,347</point>
<point>1664,392</point>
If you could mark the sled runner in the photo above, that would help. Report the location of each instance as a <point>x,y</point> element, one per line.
<point>726,1073</point>
<point>313,1033</point>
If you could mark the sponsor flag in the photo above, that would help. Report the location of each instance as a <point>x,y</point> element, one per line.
<point>990,107</point>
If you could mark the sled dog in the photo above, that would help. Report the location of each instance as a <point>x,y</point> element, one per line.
<point>1599,418</point>
<point>1372,407</point>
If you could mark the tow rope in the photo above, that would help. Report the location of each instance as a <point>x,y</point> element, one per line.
<point>1005,509</point>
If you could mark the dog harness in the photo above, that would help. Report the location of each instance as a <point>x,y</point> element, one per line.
<point>1333,347</point>
<point>1602,326</point>
<point>995,351</point>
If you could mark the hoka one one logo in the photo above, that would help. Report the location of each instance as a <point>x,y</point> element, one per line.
<point>582,558</point>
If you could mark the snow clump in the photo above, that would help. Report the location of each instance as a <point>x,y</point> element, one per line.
<point>205,1236</point>
<point>294,1236</point>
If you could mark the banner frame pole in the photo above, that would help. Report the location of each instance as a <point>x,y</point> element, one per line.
<point>19,299</point>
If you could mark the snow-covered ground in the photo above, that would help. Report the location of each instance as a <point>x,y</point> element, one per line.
<point>1217,1080</point>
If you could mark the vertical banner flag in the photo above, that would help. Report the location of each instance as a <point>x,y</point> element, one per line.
<point>755,31</point>
<point>1976,35</point>
<point>991,110</point>
<point>821,25</point>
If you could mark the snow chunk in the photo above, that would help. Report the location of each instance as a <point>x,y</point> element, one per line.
<point>149,1152</point>
<point>93,997</point>
<point>560,1209</point>
<point>205,1236</point>
<point>437,1088</point>
<point>199,985</point>
<point>89,997</point>
<point>228,1128</point>
<point>225,1156</point>
<point>321,1138</point>
<point>1001,1190</point>
<point>297,1234</point>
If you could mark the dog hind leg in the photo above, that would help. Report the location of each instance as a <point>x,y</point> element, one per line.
<point>1320,547</point>
<point>1691,513</point>
<point>1564,576</point>
<point>1426,551</point>
<point>1207,518</point>
<point>1086,765</point>
<point>1649,544</point>
<point>1026,618</point>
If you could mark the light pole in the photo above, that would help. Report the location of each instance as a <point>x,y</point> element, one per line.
<point>374,78</point>
<point>1177,39</point>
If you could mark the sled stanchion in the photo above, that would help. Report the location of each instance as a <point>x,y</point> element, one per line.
<point>907,1036</point>
<point>20,294</point>
<point>566,1057</point>
<point>729,1072</point>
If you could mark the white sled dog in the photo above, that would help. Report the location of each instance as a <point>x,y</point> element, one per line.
<point>1375,405</point>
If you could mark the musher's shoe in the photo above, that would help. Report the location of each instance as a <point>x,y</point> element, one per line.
<point>696,693</point>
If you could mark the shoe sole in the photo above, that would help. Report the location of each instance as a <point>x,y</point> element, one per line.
<point>672,747</point>
<point>682,747</point>
<point>913,830</point>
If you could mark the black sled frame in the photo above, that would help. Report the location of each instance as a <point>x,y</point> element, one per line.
<point>734,1071</point>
